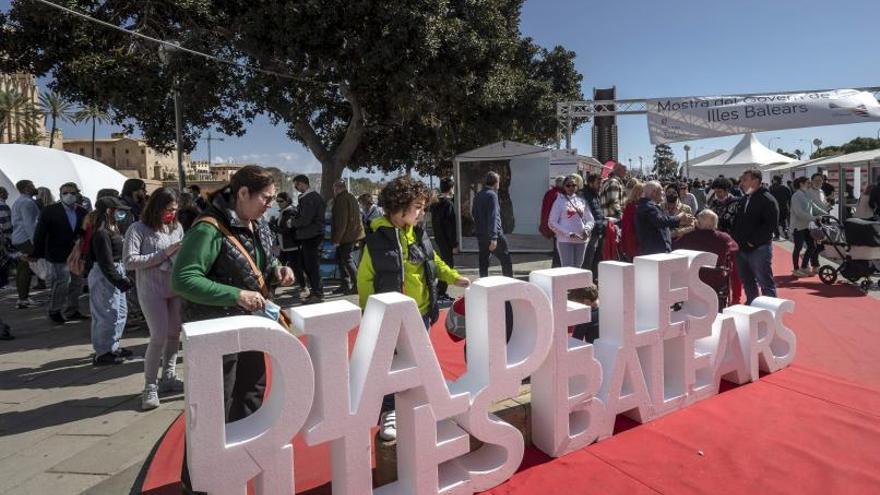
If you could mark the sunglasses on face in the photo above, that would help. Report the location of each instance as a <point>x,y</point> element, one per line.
<point>569,185</point>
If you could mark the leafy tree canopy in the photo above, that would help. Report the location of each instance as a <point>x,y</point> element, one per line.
<point>857,144</point>
<point>373,84</point>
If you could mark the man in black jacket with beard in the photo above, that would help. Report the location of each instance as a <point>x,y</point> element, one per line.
<point>309,224</point>
<point>756,222</point>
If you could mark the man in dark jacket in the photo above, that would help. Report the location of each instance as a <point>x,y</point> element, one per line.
<point>346,231</point>
<point>782,195</point>
<point>445,233</point>
<point>874,198</point>
<point>291,248</point>
<point>487,224</point>
<point>597,237</point>
<point>756,221</point>
<point>59,226</point>
<point>653,224</point>
<point>309,224</point>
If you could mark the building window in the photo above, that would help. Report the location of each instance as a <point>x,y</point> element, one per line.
<point>98,151</point>
<point>113,151</point>
<point>142,151</point>
<point>126,152</point>
<point>82,151</point>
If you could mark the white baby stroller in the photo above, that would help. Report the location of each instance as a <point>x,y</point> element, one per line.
<point>854,246</point>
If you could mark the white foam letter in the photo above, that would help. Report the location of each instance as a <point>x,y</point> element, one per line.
<point>566,415</point>
<point>224,457</point>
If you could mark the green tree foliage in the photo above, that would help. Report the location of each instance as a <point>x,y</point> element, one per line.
<point>857,144</point>
<point>18,117</point>
<point>665,164</point>
<point>55,108</point>
<point>378,85</point>
<point>95,115</point>
<point>790,155</point>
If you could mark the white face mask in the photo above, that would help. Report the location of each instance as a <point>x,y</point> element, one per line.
<point>68,199</point>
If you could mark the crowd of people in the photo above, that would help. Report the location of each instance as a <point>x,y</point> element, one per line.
<point>171,257</point>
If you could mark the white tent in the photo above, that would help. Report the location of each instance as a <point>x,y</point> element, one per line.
<point>748,153</point>
<point>50,168</point>
<point>526,172</point>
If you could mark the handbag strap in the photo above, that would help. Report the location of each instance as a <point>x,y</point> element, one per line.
<point>264,288</point>
<point>283,319</point>
<point>580,214</point>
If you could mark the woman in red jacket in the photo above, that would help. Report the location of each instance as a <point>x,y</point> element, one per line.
<point>629,241</point>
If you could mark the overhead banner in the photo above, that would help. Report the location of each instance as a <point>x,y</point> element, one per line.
<point>684,119</point>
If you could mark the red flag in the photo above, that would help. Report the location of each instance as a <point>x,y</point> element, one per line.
<point>606,170</point>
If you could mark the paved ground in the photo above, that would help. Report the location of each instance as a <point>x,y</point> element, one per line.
<point>69,427</point>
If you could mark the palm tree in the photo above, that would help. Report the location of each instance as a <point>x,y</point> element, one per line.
<point>55,107</point>
<point>17,115</point>
<point>94,113</point>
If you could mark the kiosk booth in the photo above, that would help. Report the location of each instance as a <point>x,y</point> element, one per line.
<point>526,171</point>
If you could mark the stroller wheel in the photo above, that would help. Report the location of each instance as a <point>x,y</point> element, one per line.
<point>828,274</point>
<point>865,285</point>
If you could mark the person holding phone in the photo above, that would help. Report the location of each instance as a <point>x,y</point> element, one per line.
<point>571,220</point>
<point>151,245</point>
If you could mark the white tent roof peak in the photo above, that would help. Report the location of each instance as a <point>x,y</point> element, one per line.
<point>749,152</point>
<point>500,151</point>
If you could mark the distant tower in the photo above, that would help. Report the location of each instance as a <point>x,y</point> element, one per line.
<point>604,128</point>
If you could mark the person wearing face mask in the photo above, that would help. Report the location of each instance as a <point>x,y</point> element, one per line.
<point>58,228</point>
<point>572,222</point>
<point>756,222</point>
<point>134,195</point>
<point>399,257</point>
<point>674,206</point>
<point>226,267</point>
<point>108,283</point>
<point>25,212</point>
<point>149,250</point>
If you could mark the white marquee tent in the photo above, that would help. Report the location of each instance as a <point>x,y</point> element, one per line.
<point>749,152</point>
<point>50,168</point>
<point>526,171</point>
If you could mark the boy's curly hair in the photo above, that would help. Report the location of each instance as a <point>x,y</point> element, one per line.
<point>401,192</point>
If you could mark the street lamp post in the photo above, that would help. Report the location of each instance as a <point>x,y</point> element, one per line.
<point>165,57</point>
<point>687,161</point>
<point>641,169</point>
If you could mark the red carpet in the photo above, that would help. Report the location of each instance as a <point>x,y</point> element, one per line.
<point>811,429</point>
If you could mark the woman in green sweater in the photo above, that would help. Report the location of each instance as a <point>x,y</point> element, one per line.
<point>225,267</point>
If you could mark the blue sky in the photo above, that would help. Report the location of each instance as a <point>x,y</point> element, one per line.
<point>667,48</point>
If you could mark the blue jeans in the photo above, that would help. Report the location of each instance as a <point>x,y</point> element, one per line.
<point>755,269</point>
<point>109,311</point>
<point>66,289</point>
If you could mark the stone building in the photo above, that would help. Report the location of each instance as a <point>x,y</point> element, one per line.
<point>131,156</point>
<point>26,126</point>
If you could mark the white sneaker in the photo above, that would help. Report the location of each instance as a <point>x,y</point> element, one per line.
<point>150,398</point>
<point>388,426</point>
<point>171,384</point>
<point>800,273</point>
<point>813,271</point>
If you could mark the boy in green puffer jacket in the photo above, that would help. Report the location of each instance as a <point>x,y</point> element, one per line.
<point>399,257</point>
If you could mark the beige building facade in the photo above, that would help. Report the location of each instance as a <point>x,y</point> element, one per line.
<point>131,157</point>
<point>25,125</point>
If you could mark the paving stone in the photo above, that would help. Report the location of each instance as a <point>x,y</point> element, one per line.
<point>58,484</point>
<point>33,460</point>
<point>119,451</point>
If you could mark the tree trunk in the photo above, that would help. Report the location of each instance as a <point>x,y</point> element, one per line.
<point>52,132</point>
<point>93,138</point>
